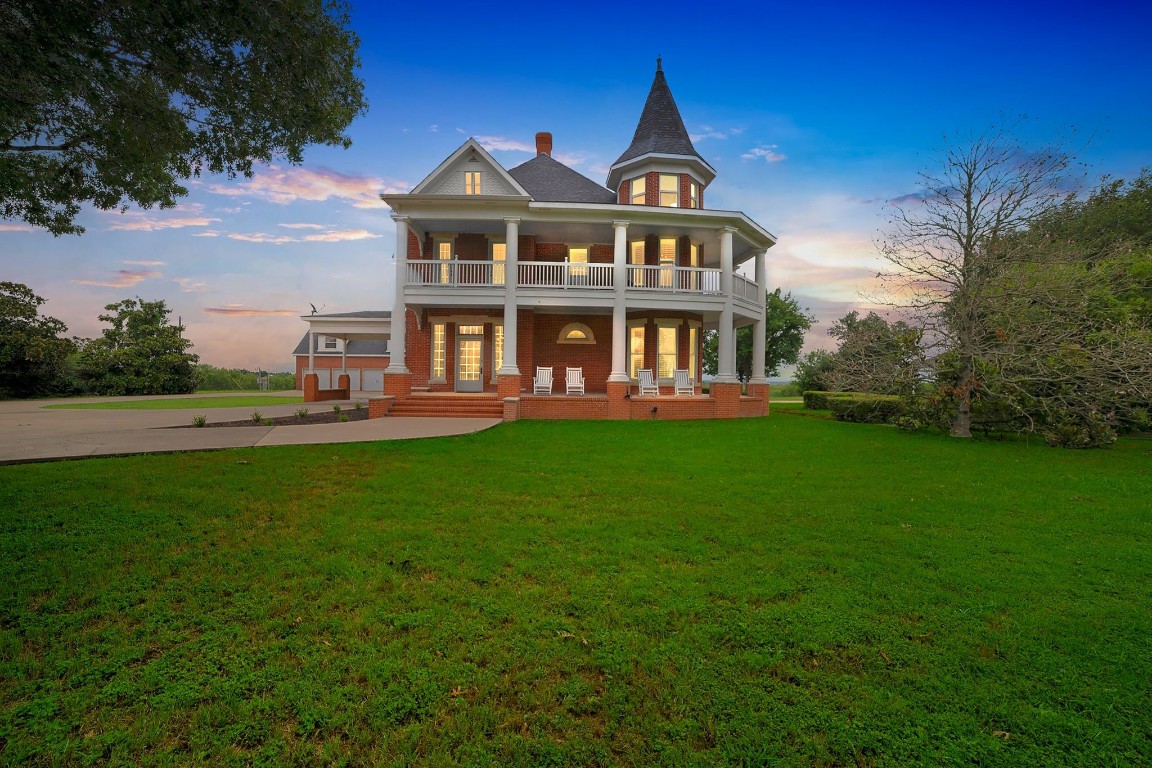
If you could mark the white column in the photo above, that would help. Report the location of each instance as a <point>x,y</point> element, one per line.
<point>511,278</point>
<point>396,363</point>
<point>758,328</point>
<point>619,306</point>
<point>726,348</point>
<point>344,358</point>
<point>311,352</point>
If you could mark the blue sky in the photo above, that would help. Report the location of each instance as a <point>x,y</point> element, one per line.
<point>813,115</point>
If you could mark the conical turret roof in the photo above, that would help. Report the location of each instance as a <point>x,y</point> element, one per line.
<point>660,130</point>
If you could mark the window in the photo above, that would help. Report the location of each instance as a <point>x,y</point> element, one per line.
<point>669,190</point>
<point>497,348</point>
<point>636,257</point>
<point>469,330</point>
<point>665,350</point>
<point>693,281</point>
<point>329,342</point>
<point>578,256</point>
<point>693,352</point>
<point>472,182</point>
<point>439,347</point>
<point>667,261</point>
<point>636,349</point>
<point>444,254</point>
<point>693,195</point>
<point>576,333</point>
<point>638,191</point>
<point>499,254</point>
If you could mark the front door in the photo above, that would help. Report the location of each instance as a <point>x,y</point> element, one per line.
<point>470,359</point>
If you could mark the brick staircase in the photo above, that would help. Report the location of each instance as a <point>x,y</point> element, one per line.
<point>450,404</point>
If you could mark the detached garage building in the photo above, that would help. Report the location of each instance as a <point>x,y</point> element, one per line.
<point>355,343</point>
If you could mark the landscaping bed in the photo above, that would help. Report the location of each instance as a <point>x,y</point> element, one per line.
<point>292,420</point>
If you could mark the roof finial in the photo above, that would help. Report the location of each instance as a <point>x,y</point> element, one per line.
<point>658,68</point>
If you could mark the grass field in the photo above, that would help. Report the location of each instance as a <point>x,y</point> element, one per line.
<point>782,591</point>
<point>183,403</point>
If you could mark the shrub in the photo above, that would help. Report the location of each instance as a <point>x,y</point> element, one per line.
<point>343,417</point>
<point>336,408</point>
<point>818,400</point>
<point>359,405</point>
<point>257,417</point>
<point>865,407</point>
<point>1092,432</point>
<point>267,422</point>
<point>301,413</point>
<point>199,421</point>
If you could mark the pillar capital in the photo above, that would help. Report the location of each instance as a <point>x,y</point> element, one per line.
<point>512,219</point>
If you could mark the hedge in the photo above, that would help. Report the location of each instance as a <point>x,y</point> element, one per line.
<point>865,407</point>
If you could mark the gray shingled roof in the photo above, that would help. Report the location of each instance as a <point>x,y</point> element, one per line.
<point>355,347</point>
<point>550,181</point>
<point>660,130</point>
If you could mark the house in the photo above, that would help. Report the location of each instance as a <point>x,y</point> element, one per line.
<point>503,271</point>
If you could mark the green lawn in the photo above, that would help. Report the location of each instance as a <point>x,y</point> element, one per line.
<point>183,403</point>
<point>782,591</point>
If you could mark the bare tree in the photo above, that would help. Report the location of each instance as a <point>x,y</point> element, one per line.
<point>951,244</point>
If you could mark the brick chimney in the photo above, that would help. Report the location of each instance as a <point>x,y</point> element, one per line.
<point>544,143</point>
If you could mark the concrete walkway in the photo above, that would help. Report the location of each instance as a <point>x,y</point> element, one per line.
<point>29,432</point>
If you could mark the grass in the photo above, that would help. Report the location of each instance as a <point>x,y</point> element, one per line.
<point>182,403</point>
<point>782,591</point>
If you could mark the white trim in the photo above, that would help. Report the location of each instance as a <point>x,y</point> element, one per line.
<point>470,144</point>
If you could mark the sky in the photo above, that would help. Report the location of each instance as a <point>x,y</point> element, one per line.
<point>813,115</point>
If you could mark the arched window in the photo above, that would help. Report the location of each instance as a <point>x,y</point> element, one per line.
<point>576,333</point>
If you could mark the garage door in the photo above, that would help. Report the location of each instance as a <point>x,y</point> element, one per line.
<point>373,380</point>
<point>354,379</point>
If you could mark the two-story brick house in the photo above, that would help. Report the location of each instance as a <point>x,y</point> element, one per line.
<point>500,271</point>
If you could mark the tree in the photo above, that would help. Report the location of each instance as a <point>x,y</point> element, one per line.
<point>32,351</point>
<point>785,324</point>
<point>107,103</point>
<point>876,356</point>
<point>813,371</point>
<point>141,354</point>
<point>954,242</point>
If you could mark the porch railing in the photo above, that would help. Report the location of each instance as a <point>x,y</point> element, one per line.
<point>743,288</point>
<point>551,274</point>
<point>674,279</point>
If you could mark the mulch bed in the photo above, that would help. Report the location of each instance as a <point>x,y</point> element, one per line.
<point>327,416</point>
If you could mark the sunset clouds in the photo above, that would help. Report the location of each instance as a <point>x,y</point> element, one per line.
<point>237,310</point>
<point>122,278</point>
<point>284,186</point>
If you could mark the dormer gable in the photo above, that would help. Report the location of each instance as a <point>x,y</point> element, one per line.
<point>470,171</point>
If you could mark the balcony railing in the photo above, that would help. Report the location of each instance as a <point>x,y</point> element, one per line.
<point>567,275</point>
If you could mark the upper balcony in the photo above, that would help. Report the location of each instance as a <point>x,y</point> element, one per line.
<point>459,280</point>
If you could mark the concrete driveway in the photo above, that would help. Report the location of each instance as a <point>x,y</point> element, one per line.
<point>29,432</point>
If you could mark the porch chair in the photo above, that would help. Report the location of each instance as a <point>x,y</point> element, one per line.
<point>574,382</point>
<point>648,385</point>
<point>684,385</point>
<point>542,381</point>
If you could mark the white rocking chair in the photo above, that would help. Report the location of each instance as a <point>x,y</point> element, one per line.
<point>574,382</point>
<point>648,385</point>
<point>684,385</point>
<point>542,381</point>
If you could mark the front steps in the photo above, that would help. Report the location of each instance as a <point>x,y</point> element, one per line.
<point>483,405</point>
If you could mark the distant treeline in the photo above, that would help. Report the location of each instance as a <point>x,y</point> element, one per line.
<point>211,378</point>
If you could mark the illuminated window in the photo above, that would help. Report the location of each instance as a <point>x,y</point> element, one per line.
<point>497,347</point>
<point>665,350</point>
<point>439,348</point>
<point>693,195</point>
<point>667,261</point>
<point>576,333</point>
<point>578,256</point>
<point>638,191</point>
<point>469,330</point>
<point>472,183</point>
<point>669,190</point>
<point>499,254</point>
<point>693,351</point>
<point>444,254</point>
<point>636,258</point>
<point>693,281</point>
<point>636,350</point>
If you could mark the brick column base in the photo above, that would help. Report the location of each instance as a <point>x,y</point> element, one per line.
<point>618,400</point>
<point>727,397</point>
<point>761,391</point>
<point>344,384</point>
<point>511,408</point>
<point>311,388</point>
<point>399,385</point>
<point>508,385</point>
<point>378,406</point>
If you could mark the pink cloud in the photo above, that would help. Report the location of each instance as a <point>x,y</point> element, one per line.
<point>262,237</point>
<point>132,221</point>
<point>125,278</point>
<point>236,310</point>
<point>289,185</point>
<point>341,235</point>
<point>143,262</point>
<point>17,228</point>
<point>206,233</point>
<point>302,226</point>
<point>188,285</point>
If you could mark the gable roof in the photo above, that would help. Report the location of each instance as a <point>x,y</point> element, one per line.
<point>661,129</point>
<point>550,181</point>
<point>355,347</point>
<point>438,183</point>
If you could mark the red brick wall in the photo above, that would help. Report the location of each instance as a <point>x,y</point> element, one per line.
<point>595,359</point>
<point>471,247</point>
<point>414,245</point>
<point>551,251</point>
<point>652,188</point>
<point>601,253</point>
<point>542,407</point>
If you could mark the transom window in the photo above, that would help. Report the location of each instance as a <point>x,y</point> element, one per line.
<point>576,333</point>
<point>469,330</point>
<point>472,182</point>
<point>638,191</point>
<point>669,190</point>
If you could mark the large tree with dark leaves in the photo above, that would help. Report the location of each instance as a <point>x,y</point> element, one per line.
<point>115,101</point>
<point>33,350</point>
<point>141,353</point>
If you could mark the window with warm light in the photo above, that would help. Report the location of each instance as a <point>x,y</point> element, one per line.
<point>667,261</point>
<point>578,256</point>
<point>693,195</point>
<point>669,190</point>
<point>497,348</point>
<point>636,350</point>
<point>472,182</point>
<point>439,350</point>
<point>444,254</point>
<point>499,255</point>
<point>576,333</point>
<point>637,191</point>
<point>665,351</point>
<point>636,259</point>
<point>693,351</point>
